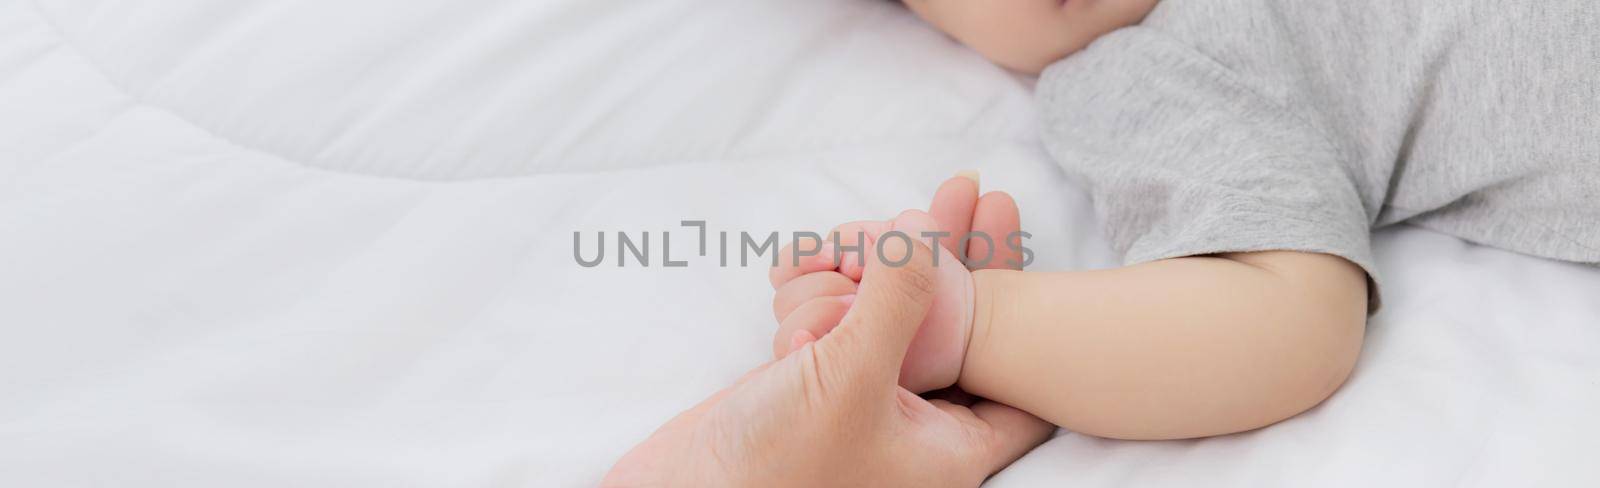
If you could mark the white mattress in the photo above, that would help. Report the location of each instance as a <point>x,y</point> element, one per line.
<point>312,243</point>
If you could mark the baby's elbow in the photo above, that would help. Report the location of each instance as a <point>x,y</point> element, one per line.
<point>1303,356</point>
<point>1309,347</point>
<point>1328,298</point>
<point>1312,379</point>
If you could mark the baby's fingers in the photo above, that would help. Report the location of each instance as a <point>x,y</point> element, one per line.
<point>816,317</point>
<point>812,285</point>
<point>818,256</point>
<point>856,241</point>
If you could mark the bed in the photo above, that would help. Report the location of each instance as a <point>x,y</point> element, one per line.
<point>310,243</point>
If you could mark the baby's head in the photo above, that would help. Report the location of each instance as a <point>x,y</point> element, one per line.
<point>1028,35</point>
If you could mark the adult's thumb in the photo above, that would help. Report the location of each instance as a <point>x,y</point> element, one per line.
<point>894,296</point>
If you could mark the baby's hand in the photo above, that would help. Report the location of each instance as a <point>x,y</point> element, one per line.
<point>814,293</point>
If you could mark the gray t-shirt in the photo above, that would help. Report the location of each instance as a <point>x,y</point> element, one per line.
<point>1250,125</point>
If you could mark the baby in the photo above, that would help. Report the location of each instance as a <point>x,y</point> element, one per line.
<point>1239,153</point>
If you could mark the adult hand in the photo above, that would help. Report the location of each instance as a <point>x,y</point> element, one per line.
<point>818,285</point>
<point>831,414</point>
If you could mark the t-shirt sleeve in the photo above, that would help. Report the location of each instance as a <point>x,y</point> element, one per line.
<point>1184,157</point>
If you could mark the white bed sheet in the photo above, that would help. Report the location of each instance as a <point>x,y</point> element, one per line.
<point>266,243</point>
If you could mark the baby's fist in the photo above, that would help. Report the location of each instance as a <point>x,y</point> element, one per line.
<point>811,304</point>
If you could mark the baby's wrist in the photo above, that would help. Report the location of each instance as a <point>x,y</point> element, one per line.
<point>994,308</point>
<point>985,286</point>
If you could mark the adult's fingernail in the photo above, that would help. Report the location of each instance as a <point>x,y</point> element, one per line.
<point>970,174</point>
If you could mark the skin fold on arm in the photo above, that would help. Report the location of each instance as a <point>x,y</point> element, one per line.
<point>1171,349</point>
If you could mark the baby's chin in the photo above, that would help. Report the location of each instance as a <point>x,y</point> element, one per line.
<point>1030,61</point>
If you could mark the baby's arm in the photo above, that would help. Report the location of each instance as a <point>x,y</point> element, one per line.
<point>1178,348</point>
